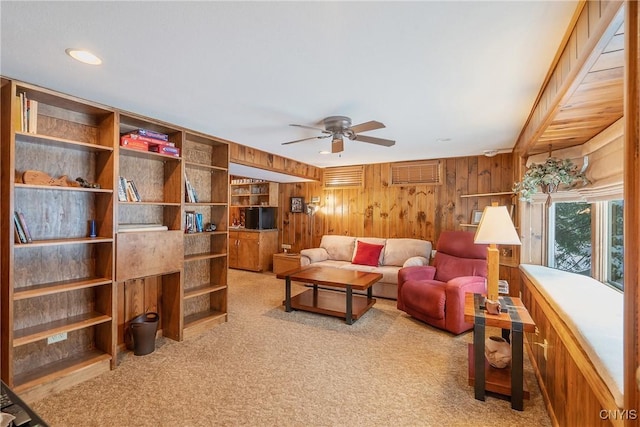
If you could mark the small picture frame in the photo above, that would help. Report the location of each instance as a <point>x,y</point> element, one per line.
<point>476,215</point>
<point>297,204</point>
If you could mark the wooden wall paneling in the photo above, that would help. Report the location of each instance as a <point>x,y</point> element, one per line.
<point>632,207</point>
<point>382,210</point>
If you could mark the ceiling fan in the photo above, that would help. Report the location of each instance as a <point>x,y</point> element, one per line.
<point>338,127</point>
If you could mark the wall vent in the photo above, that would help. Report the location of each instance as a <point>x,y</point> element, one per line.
<point>418,172</point>
<point>344,176</point>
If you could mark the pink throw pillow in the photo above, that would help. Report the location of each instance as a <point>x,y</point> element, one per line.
<point>367,254</point>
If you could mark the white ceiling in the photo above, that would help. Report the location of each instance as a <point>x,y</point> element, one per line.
<point>243,71</point>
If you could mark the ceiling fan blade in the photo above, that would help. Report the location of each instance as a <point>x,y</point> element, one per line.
<point>337,145</point>
<point>372,140</point>
<point>306,139</point>
<point>311,127</point>
<point>363,127</point>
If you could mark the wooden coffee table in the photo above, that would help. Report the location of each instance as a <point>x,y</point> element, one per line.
<point>351,307</point>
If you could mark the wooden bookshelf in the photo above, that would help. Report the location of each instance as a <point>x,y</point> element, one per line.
<point>60,326</point>
<point>206,168</point>
<point>41,300</point>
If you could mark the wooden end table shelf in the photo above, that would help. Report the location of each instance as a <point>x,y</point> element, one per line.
<point>508,382</point>
<point>349,306</point>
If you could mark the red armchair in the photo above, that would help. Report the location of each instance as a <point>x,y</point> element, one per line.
<point>435,294</point>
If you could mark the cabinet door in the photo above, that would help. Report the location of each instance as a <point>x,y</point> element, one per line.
<point>249,253</point>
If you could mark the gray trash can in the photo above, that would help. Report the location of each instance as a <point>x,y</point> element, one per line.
<point>142,333</point>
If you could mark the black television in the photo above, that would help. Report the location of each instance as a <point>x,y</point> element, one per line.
<point>260,218</point>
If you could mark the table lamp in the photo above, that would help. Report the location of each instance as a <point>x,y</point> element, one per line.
<point>495,228</point>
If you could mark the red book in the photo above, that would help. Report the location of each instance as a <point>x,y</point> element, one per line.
<point>134,144</point>
<point>148,139</point>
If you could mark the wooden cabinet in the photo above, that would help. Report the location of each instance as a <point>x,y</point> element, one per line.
<point>253,193</point>
<point>57,292</point>
<point>66,297</point>
<point>252,249</point>
<point>206,166</point>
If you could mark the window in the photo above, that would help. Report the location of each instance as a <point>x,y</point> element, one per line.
<point>570,230</point>
<point>615,256</point>
<point>587,238</point>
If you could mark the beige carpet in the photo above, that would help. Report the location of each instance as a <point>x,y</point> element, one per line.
<point>265,367</point>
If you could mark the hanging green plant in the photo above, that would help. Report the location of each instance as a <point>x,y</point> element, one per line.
<point>546,177</point>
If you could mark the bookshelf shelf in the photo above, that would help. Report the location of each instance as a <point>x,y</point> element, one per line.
<point>203,256</point>
<point>202,290</point>
<point>83,365</point>
<point>199,322</point>
<point>159,203</point>
<point>59,242</point>
<point>57,287</point>
<point>499,193</point>
<point>57,188</point>
<point>73,323</point>
<point>205,167</point>
<point>60,142</point>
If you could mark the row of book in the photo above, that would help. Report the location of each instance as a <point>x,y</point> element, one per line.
<point>27,120</point>
<point>22,233</point>
<point>127,191</point>
<point>147,140</point>
<point>193,222</point>
<point>190,194</point>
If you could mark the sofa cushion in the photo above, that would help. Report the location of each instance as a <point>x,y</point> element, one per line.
<point>339,248</point>
<point>397,251</point>
<point>315,254</point>
<point>415,261</point>
<point>367,254</point>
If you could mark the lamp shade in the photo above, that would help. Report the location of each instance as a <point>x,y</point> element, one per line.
<point>496,227</point>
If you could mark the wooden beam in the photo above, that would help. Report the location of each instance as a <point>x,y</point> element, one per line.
<point>248,156</point>
<point>632,208</point>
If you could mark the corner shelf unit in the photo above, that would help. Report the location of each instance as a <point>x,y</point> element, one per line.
<point>260,193</point>
<point>65,297</point>
<point>58,295</point>
<point>206,167</point>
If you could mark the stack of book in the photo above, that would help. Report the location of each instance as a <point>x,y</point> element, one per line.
<point>148,140</point>
<point>28,117</point>
<point>193,222</point>
<point>190,193</point>
<point>127,191</point>
<point>22,234</point>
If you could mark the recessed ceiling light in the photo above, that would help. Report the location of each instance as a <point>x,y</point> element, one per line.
<point>83,56</point>
<point>324,152</point>
<point>443,139</point>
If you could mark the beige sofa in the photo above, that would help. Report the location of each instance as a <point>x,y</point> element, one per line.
<point>340,252</point>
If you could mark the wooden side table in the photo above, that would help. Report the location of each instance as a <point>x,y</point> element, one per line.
<point>285,261</point>
<point>482,376</point>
